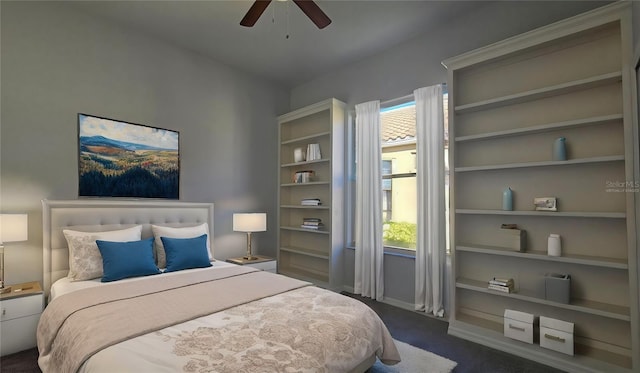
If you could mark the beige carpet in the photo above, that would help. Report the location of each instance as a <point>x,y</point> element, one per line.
<point>415,360</point>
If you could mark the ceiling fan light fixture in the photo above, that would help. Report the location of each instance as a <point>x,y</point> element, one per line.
<point>308,7</point>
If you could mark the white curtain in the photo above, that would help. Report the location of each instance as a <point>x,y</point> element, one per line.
<point>430,247</point>
<point>369,248</point>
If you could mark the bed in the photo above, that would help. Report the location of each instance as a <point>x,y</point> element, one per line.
<point>217,317</point>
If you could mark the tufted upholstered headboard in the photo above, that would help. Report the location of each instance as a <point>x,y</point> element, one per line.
<point>105,215</point>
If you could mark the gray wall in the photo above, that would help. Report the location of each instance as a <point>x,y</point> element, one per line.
<point>417,63</point>
<point>57,62</point>
<point>635,17</point>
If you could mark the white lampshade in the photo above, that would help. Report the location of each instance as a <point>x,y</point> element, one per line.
<point>250,222</point>
<point>13,227</point>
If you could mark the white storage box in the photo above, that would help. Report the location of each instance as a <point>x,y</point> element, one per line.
<point>556,335</point>
<point>518,325</point>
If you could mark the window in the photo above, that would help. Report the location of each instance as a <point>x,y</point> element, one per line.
<point>398,143</point>
<point>387,167</point>
<point>399,188</point>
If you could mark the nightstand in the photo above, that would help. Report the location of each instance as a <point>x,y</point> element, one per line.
<point>263,263</point>
<point>20,311</point>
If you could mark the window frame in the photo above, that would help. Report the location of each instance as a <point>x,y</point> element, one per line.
<point>350,177</point>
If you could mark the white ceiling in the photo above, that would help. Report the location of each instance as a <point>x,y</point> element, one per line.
<point>359,29</point>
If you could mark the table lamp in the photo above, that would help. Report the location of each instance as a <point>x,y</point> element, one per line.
<point>250,222</point>
<point>13,228</point>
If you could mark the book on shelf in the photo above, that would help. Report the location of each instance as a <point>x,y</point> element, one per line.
<point>504,289</point>
<point>312,223</point>
<point>312,226</point>
<point>310,202</point>
<point>501,281</point>
<point>505,285</point>
<point>313,152</point>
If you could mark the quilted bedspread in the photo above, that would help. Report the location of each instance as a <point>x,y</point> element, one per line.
<point>232,319</point>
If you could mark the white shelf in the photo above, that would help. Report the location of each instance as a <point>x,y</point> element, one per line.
<point>509,100</point>
<point>611,158</point>
<point>305,138</point>
<point>305,207</point>
<point>304,163</point>
<point>316,231</point>
<point>305,184</point>
<point>539,93</point>
<point>592,121</point>
<point>560,214</point>
<point>595,308</point>
<point>306,274</point>
<point>491,334</point>
<point>542,255</point>
<point>306,252</point>
<point>310,254</point>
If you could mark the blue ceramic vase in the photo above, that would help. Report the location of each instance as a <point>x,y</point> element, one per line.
<point>507,200</point>
<point>560,149</point>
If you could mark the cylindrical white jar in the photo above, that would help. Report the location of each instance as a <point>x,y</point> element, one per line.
<point>554,246</point>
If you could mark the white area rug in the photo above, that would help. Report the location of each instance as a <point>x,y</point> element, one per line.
<point>415,360</point>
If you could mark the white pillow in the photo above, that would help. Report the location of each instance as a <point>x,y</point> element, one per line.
<point>85,261</point>
<point>172,232</point>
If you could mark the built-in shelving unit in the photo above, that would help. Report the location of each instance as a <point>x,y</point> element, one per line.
<point>312,254</point>
<point>596,261</point>
<point>543,128</point>
<point>540,93</point>
<point>611,158</point>
<point>555,214</point>
<point>508,103</point>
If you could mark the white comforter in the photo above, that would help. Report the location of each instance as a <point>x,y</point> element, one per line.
<point>303,330</point>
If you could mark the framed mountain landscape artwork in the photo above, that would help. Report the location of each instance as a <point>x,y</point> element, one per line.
<point>121,159</point>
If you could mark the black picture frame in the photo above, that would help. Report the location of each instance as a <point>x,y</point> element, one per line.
<point>123,159</point>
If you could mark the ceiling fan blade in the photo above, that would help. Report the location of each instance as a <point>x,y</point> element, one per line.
<point>254,13</point>
<point>313,11</point>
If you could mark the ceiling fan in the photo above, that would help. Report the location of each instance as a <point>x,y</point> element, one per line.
<point>310,8</point>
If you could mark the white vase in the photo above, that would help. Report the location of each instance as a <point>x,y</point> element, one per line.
<point>553,245</point>
<point>298,155</point>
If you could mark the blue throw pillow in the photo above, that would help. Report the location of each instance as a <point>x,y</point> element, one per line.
<point>185,253</point>
<point>127,259</point>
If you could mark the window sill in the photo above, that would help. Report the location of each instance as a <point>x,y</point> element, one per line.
<point>393,251</point>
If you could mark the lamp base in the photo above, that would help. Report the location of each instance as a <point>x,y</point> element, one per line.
<point>250,258</point>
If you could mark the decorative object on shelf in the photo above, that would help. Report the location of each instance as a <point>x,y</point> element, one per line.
<point>554,245</point>
<point>557,287</point>
<point>507,200</point>
<point>121,159</point>
<point>518,325</point>
<point>312,223</point>
<point>505,285</point>
<point>560,149</point>
<point>556,335</point>
<point>250,222</point>
<point>311,202</point>
<point>13,228</point>
<point>545,204</point>
<point>303,176</point>
<point>512,237</point>
<point>313,152</point>
<point>298,155</point>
